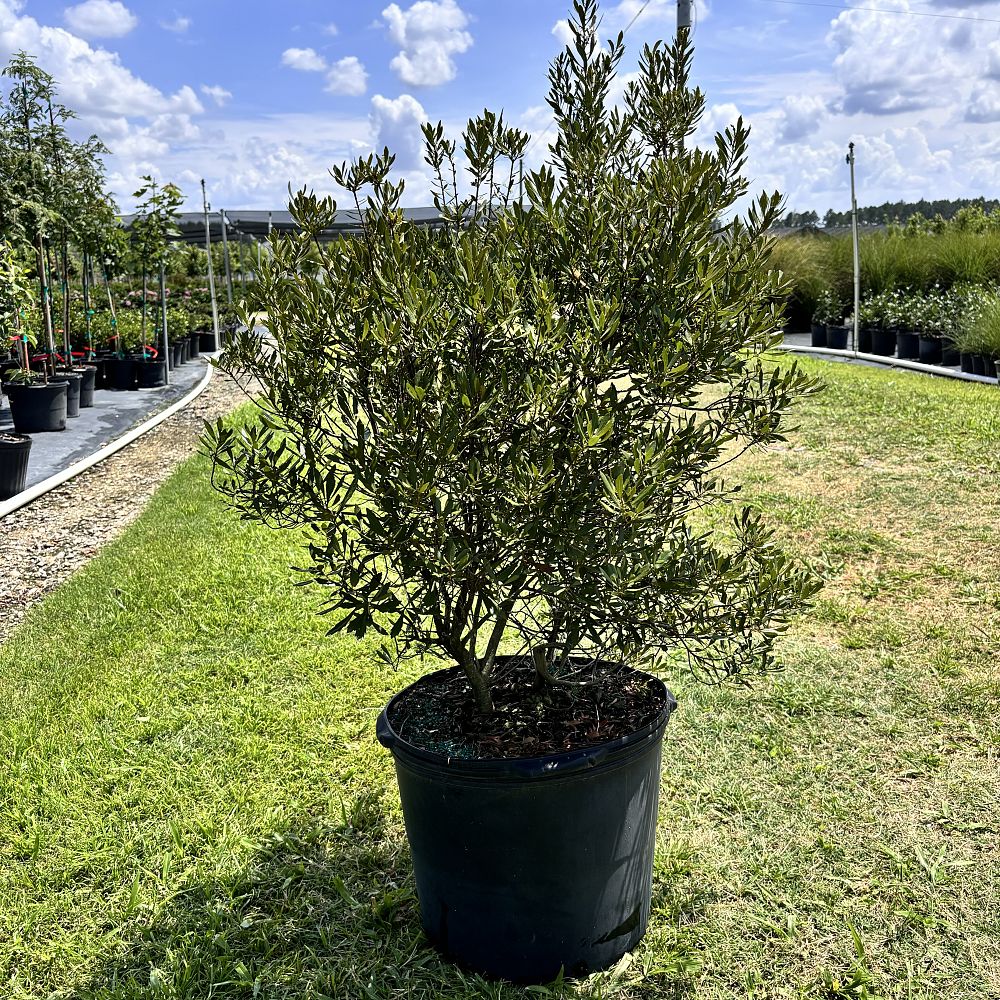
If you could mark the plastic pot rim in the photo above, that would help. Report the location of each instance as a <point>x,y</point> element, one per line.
<point>566,762</point>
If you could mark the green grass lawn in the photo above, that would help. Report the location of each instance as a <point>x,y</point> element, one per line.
<point>193,803</point>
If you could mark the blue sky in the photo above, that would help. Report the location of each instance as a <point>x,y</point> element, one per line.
<point>255,95</point>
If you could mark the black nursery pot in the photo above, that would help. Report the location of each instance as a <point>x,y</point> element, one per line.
<point>883,342</point>
<point>817,333</point>
<point>967,364</point>
<point>531,865</point>
<point>74,388</point>
<point>949,354</point>
<point>978,364</point>
<point>930,350</point>
<point>206,343</point>
<point>908,346</point>
<point>37,407</point>
<point>836,337</point>
<point>151,374</point>
<point>194,344</point>
<point>865,340</point>
<point>120,373</point>
<point>87,386</point>
<point>14,451</point>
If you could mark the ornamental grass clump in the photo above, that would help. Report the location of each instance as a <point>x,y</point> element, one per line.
<point>498,432</point>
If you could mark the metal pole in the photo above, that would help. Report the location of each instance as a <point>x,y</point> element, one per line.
<point>857,261</point>
<point>243,272</point>
<point>163,322</point>
<point>211,269</point>
<point>683,29</point>
<point>225,258</point>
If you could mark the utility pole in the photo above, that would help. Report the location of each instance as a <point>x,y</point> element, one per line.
<point>683,30</point>
<point>857,262</point>
<point>211,269</point>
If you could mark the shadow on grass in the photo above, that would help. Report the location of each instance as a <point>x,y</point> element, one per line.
<point>319,912</point>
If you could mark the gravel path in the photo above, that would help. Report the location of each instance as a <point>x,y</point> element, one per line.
<point>59,532</point>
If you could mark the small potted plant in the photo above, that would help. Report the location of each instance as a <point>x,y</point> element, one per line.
<point>36,403</point>
<point>830,309</point>
<point>496,434</point>
<point>15,297</point>
<point>979,337</point>
<point>908,317</point>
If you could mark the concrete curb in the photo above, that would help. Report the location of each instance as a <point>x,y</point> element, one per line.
<point>46,485</point>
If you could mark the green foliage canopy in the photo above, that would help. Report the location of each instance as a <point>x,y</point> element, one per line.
<point>501,430</point>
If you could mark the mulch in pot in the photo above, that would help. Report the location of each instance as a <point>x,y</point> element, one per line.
<point>532,718</point>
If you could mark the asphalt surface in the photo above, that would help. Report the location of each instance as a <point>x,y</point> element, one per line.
<point>113,414</point>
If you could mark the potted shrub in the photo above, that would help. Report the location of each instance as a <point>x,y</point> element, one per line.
<point>878,315</point>
<point>36,404</point>
<point>497,434</point>
<point>15,450</point>
<point>980,337</point>
<point>907,319</point>
<point>830,314</point>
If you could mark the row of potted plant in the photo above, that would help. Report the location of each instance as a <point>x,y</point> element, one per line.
<point>952,326</point>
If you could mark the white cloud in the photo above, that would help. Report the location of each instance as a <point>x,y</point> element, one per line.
<point>100,19</point>
<point>396,124</point>
<point>307,60</point>
<point>984,102</point>
<point>92,82</point>
<point>347,76</point>
<point>801,115</point>
<point>890,65</point>
<point>429,34</point>
<point>330,29</point>
<point>178,25</point>
<point>218,94</point>
<point>562,32</point>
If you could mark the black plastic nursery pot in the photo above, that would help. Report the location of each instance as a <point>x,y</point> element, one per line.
<point>151,373</point>
<point>37,407</point>
<point>194,344</point>
<point>883,342</point>
<point>949,354</point>
<point>14,451</point>
<point>817,334</point>
<point>120,373</point>
<point>74,387</point>
<point>836,337</point>
<point>978,364</point>
<point>100,365</point>
<point>526,866</point>
<point>930,350</point>
<point>966,363</point>
<point>865,340</point>
<point>206,342</point>
<point>88,384</point>
<point>908,346</point>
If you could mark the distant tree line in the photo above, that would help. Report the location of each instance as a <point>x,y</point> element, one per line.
<point>897,212</point>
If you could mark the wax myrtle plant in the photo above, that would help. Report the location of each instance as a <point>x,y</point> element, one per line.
<point>500,432</point>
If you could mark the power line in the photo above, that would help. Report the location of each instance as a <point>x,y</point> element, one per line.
<point>884,10</point>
